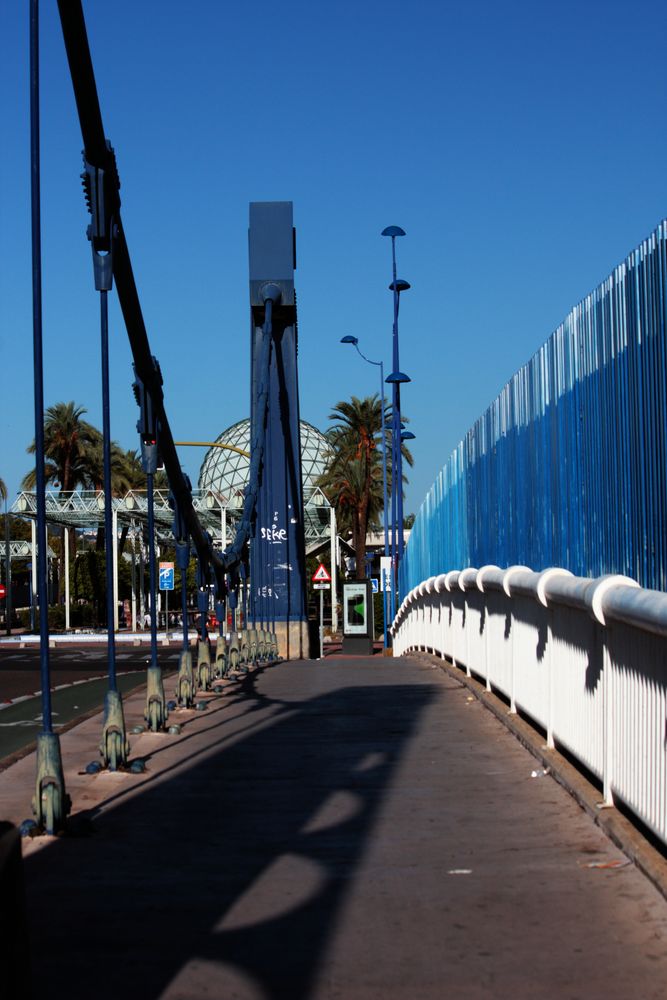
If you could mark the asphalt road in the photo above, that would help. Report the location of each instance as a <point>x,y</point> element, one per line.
<point>80,674</point>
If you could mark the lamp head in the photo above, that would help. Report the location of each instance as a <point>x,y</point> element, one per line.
<point>349,340</point>
<point>397,377</point>
<point>399,285</point>
<point>393,231</point>
<point>407,436</point>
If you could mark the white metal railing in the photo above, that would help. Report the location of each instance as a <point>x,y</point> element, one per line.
<point>585,659</point>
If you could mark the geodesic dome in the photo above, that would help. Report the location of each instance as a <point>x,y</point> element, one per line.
<point>226,471</point>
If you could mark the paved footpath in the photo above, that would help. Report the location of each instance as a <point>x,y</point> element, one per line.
<point>348,829</point>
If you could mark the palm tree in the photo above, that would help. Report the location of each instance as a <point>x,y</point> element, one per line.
<point>353,477</point>
<point>3,490</point>
<point>68,441</point>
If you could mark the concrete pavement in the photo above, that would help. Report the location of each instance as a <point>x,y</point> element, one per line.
<point>351,828</point>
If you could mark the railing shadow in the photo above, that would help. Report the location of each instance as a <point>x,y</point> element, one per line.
<point>236,864</point>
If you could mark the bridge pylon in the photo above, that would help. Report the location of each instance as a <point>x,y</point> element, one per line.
<point>277,548</point>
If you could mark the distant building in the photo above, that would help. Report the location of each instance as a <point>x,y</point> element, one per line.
<point>226,471</point>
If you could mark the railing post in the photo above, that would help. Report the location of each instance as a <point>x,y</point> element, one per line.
<point>66,540</point>
<point>33,574</point>
<point>114,542</point>
<point>467,635</point>
<point>596,599</point>
<point>550,680</point>
<point>506,587</point>
<point>442,629</point>
<point>487,618</point>
<point>607,736</point>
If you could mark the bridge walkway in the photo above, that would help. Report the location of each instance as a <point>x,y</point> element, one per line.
<point>348,828</point>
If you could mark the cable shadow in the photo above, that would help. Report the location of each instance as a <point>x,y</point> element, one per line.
<point>237,864</point>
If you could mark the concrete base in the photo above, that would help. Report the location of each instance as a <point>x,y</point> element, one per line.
<point>357,645</point>
<point>293,640</point>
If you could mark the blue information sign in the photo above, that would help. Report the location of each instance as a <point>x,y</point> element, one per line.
<point>166,576</point>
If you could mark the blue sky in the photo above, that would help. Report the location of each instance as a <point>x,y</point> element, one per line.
<point>522,146</point>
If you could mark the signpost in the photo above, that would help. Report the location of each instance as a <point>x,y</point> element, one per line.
<point>166,578</point>
<point>321,582</point>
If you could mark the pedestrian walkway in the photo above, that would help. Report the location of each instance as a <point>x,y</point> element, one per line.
<point>350,828</point>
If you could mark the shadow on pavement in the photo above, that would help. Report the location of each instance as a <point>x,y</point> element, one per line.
<point>236,865</point>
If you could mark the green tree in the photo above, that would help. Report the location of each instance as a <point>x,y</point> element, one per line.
<point>69,442</point>
<point>3,490</point>
<point>353,478</point>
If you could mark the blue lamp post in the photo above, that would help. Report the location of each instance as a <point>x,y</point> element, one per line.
<point>50,803</point>
<point>396,378</point>
<point>355,344</point>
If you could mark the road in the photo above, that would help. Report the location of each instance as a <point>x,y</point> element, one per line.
<point>78,684</point>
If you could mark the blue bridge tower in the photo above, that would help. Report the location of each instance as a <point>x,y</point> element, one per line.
<point>277,546</point>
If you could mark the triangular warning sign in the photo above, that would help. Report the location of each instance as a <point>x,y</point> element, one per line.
<point>321,575</point>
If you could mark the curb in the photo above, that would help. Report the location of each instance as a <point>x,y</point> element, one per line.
<point>620,830</point>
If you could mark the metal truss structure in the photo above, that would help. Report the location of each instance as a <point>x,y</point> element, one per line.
<point>217,512</point>
<point>20,549</point>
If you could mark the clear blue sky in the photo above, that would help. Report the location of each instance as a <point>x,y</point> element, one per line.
<point>522,146</point>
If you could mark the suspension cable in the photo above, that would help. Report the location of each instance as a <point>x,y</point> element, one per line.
<point>99,158</point>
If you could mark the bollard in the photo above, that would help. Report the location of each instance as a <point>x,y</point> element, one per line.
<point>252,646</point>
<point>234,652</point>
<point>185,683</point>
<point>244,650</point>
<point>114,745</point>
<point>221,657</point>
<point>203,665</point>
<point>50,804</point>
<point>156,712</point>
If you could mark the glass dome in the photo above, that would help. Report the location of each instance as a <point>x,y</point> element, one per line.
<point>225,470</point>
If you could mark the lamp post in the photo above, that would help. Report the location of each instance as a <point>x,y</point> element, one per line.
<point>8,573</point>
<point>355,343</point>
<point>51,802</point>
<point>395,379</point>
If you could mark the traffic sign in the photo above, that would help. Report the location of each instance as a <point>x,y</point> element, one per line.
<point>375,585</point>
<point>321,586</point>
<point>3,591</point>
<point>166,576</point>
<point>321,575</point>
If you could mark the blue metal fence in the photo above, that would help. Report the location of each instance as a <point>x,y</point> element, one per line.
<point>568,466</point>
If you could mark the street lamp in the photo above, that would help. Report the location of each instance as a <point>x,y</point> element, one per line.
<point>355,344</point>
<point>397,286</point>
